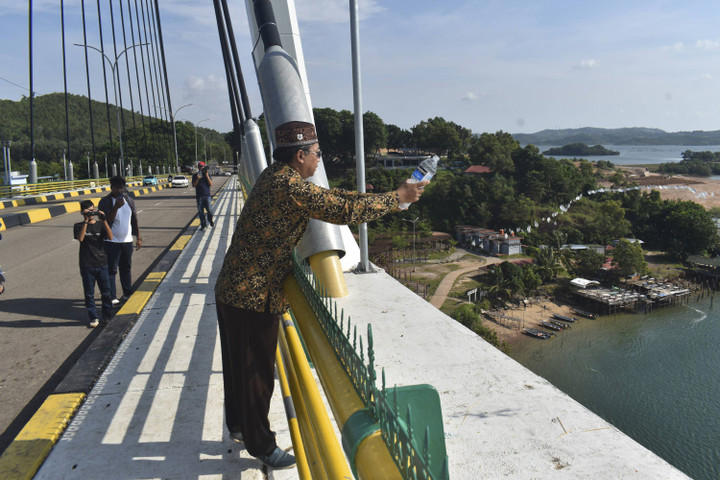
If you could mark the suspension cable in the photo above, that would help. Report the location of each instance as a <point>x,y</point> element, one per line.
<point>102,60</point>
<point>87,76</point>
<point>127,64</point>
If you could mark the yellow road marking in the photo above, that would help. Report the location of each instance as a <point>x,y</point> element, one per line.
<point>181,242</point>
<point>136,302</point>
<point>28,451</point>
<point>155,276</point>
<point>195,223</point>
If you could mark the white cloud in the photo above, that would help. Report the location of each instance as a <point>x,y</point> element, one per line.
<point>677,47</point>
<point>469,97</point>
<point>586,64</point>
<point>706,76</point>
<point>708,44</point>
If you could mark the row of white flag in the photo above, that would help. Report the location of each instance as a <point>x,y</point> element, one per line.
<point>565,208</point>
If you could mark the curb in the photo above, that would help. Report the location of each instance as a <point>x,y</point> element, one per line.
<point>58,196</point>
<point>42,214</point>
<point>27,452</point>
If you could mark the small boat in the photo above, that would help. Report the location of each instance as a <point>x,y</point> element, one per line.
<point>551,326</point>
<point>534,332</point>
<point>557,316</point>
<point>585,314</point>
<point>560,324</point>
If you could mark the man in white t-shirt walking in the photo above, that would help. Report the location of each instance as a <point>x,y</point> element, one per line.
<point>122,217</point>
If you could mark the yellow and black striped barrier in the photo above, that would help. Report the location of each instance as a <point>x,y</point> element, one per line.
<point>46,213</point>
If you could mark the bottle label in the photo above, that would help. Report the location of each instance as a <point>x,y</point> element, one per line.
<point>418,175</point>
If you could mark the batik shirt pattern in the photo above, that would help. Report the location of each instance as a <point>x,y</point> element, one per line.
<point>272,222</point>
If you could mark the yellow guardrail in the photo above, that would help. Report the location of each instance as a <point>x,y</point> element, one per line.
<point>372,458</point>
<point>325,456</point>
<point>31,189</point>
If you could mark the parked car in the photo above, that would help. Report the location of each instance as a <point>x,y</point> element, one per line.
<point>150,180</point>
<point>227,174</point>
<point>180,181</point>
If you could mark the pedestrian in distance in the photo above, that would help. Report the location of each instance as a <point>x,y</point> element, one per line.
<point>92,233</point>
<point>249,294</point>
<point>202,183</point>
<point>122,218</point>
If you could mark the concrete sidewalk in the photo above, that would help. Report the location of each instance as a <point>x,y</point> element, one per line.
<point>157,410</point>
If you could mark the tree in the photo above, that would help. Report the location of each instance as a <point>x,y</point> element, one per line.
<point>494,150</point>
<point>440,136</point>
<point>398,138</point>
<point>628,258</point>
<point>548,263</point>
<point>688,228</point>
<point>374,131</point>
<point>587,263</point>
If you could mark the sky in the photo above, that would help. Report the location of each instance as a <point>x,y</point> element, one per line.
<point>510,65</point>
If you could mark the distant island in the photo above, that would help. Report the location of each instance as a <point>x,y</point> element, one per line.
<point>618,136</point>
<point>580,149</point>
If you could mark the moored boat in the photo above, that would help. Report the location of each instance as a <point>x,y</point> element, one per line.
<point>534,332</point>
<point>560,324</point>
<point>557,316</point>
<point>583,313</point>
<point>551,326</point>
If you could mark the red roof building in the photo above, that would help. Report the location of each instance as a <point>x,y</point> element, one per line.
<point>478,169</point>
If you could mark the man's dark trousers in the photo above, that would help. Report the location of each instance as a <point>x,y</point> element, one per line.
<point>90,275</point>
<point>203,205</point>
<point>119,257</point>
<point>248,340</point>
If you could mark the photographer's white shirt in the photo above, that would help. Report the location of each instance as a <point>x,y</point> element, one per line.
<point>121,228</point>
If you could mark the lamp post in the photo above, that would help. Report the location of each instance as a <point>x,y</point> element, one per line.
<point>173,116</point>
<point>413,224</point>
<point>113,68</point>
<point>196,125</point>
<point>204,147</point>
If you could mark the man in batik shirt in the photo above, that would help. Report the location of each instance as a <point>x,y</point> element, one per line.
<point>249,294</point>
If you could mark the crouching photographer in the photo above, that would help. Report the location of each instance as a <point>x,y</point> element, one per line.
<point>91,233</point>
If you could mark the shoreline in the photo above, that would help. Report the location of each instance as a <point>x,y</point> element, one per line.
<point>530,317</point>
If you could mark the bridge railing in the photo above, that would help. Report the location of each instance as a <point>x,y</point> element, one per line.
<point>418,455</point>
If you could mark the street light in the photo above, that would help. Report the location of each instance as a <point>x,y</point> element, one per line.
<point>113,67</point>
<point>413,224</point>
<point>172,119</point>
<point>196,125</point>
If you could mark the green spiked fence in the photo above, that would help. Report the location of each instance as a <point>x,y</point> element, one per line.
<point>409,417</point>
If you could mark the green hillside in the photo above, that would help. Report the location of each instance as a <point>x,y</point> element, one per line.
<point>618,136</point>
<point>153,143</point>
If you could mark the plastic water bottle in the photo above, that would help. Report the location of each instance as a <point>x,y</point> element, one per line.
<point>425,171</point>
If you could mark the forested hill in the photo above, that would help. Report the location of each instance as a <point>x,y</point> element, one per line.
<point>619,136</point>
<point>50,138</point>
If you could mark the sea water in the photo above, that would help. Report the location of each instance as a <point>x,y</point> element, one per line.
<point>655,376</point>
<point>642,154</point>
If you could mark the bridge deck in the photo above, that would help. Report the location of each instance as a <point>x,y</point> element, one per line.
<point>157,410</point>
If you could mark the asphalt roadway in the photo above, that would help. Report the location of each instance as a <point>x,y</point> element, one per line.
<point>43,321</point>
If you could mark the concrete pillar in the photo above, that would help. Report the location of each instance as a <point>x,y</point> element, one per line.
<point>33,171</point>
<point>96,170</point>
<point>70,174</point>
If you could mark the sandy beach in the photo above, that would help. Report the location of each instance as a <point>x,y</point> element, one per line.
<point>529,316</point>
<point>707,190</point>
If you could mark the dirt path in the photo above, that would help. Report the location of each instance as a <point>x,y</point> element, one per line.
<point>447,283</point>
